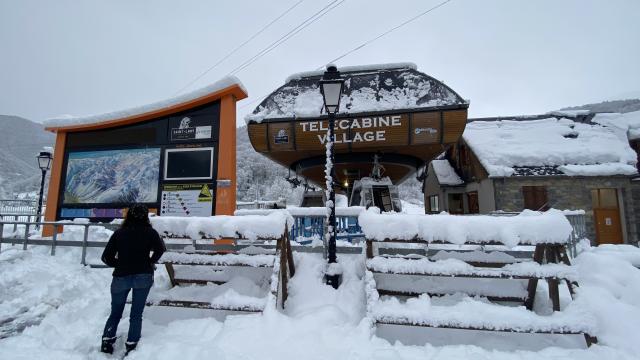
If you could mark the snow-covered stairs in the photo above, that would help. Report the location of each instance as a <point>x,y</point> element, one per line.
<point>237,281</point>
<point>482,290</point>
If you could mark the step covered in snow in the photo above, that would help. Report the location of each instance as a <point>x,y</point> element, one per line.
<point>258,260</point>
<point>463,312</point>
<point>459,268</point>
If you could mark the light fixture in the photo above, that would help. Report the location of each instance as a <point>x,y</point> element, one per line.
<point>331,86</point>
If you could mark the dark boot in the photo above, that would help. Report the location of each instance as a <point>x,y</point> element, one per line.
<point>107,345</point>
<point>130,347</point>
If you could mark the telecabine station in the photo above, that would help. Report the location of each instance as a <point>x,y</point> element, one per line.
<point>391,122</point>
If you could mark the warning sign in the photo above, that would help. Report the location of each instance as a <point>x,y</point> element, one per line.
<point>186,200</point>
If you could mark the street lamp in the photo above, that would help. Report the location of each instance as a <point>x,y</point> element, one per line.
<point>44,162</point>
<point>331,86</point>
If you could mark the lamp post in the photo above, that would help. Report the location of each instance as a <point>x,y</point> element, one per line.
<point>44,162</point>
<point>331,86</point>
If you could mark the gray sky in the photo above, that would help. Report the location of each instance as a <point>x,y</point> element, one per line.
<point>507,56</point>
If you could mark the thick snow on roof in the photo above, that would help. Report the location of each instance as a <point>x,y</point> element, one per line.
<point>445,173</point>
<point>574,148</point>
<point>69,120</point>
<point>357,68</point>
<point>628,123</point>
<point>367,89</point>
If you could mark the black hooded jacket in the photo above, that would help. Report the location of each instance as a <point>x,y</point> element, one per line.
<point>129,248</point>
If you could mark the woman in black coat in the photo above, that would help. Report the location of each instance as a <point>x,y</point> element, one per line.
<point>128,251</point>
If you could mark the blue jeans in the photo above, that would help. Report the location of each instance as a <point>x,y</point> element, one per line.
<point>120,286</point>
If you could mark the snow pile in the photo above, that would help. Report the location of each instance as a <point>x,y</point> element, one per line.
<point>575,148</point>
<point>251,227</point>
<point>445,173</point>
<point>221,84</point>
<point>367,89</point>
<point>628,123</point>
<point>529,227</point>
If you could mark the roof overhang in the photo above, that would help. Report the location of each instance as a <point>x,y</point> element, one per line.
<point>236,90</point>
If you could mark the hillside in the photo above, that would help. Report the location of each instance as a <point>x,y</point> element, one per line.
<point>619,106</point>
<point>21,141</point>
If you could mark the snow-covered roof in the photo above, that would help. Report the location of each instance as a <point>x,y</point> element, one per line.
<point>572,148</point>
<point>628,123</point>
<point>367,89</point>
<point>68,120</point>
<point>445,173</point>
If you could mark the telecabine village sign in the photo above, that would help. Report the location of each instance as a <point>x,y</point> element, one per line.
<point>360,135</point>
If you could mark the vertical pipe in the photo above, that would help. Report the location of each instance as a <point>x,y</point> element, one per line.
<point>53,243</point>
<point>26,235</point>
<point>39,211</point>
<point>84,243</point>
<point>1,234</point>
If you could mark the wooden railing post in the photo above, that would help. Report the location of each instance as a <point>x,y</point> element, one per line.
<point>538,256</point>
<point>369,248</point>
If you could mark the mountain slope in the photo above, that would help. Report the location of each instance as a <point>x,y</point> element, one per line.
<point>619,106</point>
<point>21,141</point>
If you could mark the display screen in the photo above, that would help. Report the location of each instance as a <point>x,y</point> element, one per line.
<point>112,176</point>
<point>184,164</point>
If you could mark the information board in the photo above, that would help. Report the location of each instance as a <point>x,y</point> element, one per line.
<point>186,200</point>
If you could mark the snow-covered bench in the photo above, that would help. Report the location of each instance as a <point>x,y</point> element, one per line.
<point>474,263</point>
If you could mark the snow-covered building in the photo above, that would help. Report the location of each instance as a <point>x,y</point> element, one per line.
<point>564,160</point>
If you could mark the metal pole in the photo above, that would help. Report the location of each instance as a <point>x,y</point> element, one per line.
<point>333,279</point>
<point>44,173</point>
<point>84,244</point>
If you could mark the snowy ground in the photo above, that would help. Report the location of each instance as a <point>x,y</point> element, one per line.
<point>63,306</point>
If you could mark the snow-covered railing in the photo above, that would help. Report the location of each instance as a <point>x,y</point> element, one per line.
<point>308,222</point>
<point>250,227</point>
<point>526,228</point>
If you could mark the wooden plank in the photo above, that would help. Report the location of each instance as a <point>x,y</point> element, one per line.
<point>199,305</point>
<point>292,266</point>
<point>199,281</point>
<point>480,328</point>
<point>186,263</point>
<point>471,275</point>
<point>439,294</point>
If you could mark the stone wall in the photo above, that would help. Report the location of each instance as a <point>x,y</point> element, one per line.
<point>574,193</point>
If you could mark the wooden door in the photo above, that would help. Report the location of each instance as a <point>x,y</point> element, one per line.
<point>472,200</point>
<point>606,213</point>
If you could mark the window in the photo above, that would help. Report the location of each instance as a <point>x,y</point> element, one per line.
<point>188,164</point>
<point>434,206</point>
<point>535,198</point>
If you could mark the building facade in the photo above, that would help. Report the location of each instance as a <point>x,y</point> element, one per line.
<point>471,177</point>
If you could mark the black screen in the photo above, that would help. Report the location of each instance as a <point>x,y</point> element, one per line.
<point>189,164</point>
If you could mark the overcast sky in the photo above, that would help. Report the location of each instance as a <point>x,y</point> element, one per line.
<point>507,57</point>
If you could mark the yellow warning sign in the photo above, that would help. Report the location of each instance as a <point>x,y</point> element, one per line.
<point>205,193</point>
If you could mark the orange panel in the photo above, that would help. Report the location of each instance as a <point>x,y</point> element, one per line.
<point>226,196</point>
<point>54,183</point>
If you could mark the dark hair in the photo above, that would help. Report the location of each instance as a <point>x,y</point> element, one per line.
<point>137,216</point>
